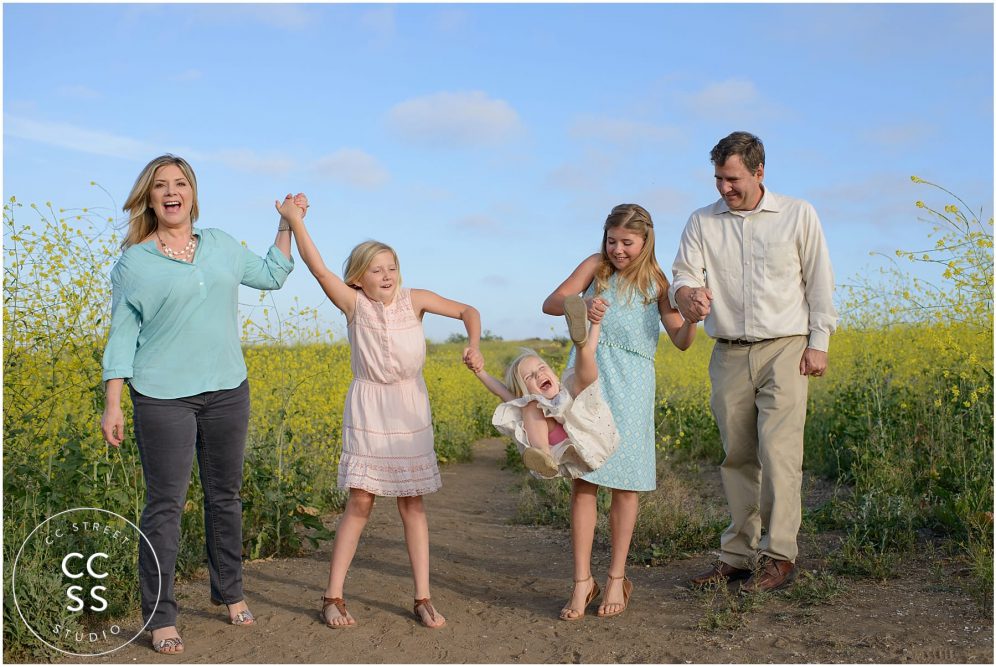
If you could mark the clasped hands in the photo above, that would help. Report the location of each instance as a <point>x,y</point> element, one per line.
<point>292,205</point>
<point>473,359</point>
<point>694,303</point>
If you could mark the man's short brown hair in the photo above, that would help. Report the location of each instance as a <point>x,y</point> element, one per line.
<point>746,145</point>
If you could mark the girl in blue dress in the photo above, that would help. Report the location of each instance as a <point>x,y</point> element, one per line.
<point>626,291</point>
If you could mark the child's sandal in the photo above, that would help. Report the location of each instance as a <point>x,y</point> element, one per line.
<point>576,313</point>
<point>539,462</point>
<point>565,613</point>
<point>340,606</point>
<point>427,607</point>
<point>627,589</point>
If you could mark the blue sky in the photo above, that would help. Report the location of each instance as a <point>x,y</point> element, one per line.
<point>487,143</point>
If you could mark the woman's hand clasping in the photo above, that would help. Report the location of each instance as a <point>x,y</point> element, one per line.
<point>293,208</point>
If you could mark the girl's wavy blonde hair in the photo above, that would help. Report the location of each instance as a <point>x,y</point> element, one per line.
<point>513,380</point>
<point>643,274</point>
<point>141,218</point>
<point>361,257</point>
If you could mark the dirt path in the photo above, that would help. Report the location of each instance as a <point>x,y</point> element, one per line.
<point>502,585</point>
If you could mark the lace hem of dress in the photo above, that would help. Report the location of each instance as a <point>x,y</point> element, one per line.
<point>390,476</point>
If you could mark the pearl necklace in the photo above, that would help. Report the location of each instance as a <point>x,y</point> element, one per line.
<point>184,255</point>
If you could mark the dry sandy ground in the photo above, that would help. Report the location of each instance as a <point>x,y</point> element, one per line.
<point>501,586</point>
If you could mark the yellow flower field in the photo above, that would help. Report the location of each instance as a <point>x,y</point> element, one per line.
<point>903,418</point>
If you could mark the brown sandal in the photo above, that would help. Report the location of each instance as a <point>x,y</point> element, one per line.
<point>592,594</point>
<point>425,604</point>
<point>627,591</point>
<point>340,606</point>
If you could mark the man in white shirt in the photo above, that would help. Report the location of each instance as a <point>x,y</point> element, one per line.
<point>754,265</point>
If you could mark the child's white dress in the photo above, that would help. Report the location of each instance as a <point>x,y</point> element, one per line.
<point>591,432</point>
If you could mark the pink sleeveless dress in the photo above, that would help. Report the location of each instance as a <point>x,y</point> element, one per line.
<point>387,441</point>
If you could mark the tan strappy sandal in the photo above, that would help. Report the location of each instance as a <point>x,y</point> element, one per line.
<point>592,594</point>
<point>425,604</point>
<point>627,587</point>
<point>340,606</point>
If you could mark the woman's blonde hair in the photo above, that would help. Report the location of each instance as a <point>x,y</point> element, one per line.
<point>513,380</point>
<point>141,218</point>
<point>361,257</point>
<point>643,274</point>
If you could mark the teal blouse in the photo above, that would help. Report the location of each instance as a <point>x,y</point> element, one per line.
<point>174,325</point>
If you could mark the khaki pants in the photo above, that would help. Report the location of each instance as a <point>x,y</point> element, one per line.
<point>759,402</point>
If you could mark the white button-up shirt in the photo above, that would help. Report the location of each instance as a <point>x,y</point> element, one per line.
<point>768,269</point>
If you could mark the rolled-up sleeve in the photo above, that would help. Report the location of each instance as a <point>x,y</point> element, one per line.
<point>266,273</point>
<point>122,341</point>
<point>688,263</point>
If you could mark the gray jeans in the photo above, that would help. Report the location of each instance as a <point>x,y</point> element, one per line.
<point>168,432</point>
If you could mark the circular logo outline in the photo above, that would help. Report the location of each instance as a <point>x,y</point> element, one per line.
<point>13,582</point>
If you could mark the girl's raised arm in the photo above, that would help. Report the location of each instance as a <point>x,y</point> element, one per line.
<point>679,330</point>
<point>341,294</point>
<point>424,301</point>
<point>576,283</point>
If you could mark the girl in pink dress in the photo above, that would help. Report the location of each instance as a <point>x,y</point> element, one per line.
<point>387,444</point>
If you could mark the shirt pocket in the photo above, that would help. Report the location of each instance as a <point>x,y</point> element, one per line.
<point>781,262</point>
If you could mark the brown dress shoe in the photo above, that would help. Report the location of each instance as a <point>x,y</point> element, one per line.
<point>772,575</point>
<point>720,571</point>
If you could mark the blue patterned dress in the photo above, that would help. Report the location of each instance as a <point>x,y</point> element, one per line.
<point>625,357</point>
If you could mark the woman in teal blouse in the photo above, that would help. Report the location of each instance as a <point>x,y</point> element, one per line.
<point>174,339</point>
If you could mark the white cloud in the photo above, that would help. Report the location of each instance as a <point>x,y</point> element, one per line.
<point>588,173</point>
<point>452,20</point>
<point>79,91</point>
<point>880,201</point>
<point>98,142</point>
<point>900,134</point>
<point>65,135</point>
<point>381,22</point>
<point>352,166</point>
<point>460,119</point>
<point>187,75</point>
<point>276,15</point>
<point>244,159</point>
<point>621,131</point>
<point>479,223</point>
<point>495,280</point>
<point>733,100</point>
<point>668,206</point>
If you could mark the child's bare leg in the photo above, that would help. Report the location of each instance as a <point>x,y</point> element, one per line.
<point>412,511</point>
<point>585,367</point>
<point>347,538</point>
<point>537,455</point>
<point>584,515</point>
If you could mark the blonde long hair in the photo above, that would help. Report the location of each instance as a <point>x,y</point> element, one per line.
<point>141,218</point>
<point>513,380</point>
<point>643,274</point>
<point>361,257</point>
